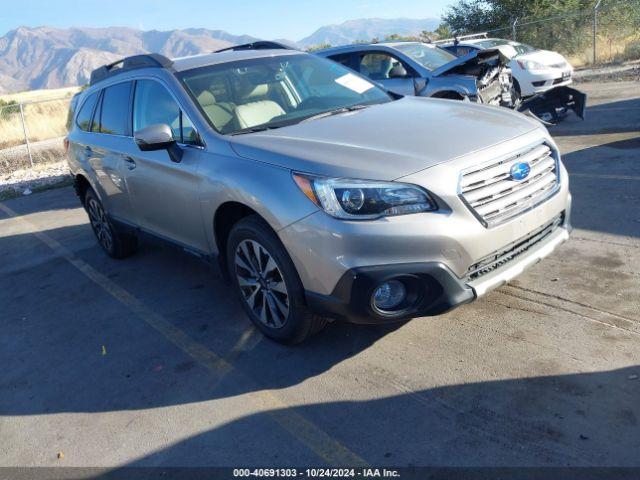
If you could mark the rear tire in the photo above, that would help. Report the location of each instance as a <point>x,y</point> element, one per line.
<point>116,244</point>
<point>267,283</point>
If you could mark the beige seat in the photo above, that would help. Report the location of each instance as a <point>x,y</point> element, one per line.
<point>258,109</point>
<point>220,114</point>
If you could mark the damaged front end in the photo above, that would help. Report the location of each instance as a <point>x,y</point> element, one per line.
<point>489,68</point>
<point>554,105</point>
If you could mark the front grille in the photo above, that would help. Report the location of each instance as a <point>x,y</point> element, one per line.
<point>510,252</point>
<point>559,65</point>
<point>494,197</point>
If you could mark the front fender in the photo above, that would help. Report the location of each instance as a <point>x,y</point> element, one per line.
<point>464,86</point>
<point>267,189</point>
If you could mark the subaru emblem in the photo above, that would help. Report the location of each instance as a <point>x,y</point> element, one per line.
<point>520,171</point>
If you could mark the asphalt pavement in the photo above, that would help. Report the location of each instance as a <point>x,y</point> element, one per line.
<point>150,361</point>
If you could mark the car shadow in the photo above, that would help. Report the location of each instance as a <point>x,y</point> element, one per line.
<point>73,343</point>
<point>604,118</point>
<point>605,184</point>
<point>582,419</point>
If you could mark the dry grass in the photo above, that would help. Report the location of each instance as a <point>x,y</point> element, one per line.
<point>608,50</point>
<point>44,119</point>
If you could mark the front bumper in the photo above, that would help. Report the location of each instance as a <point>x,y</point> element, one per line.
<point>553,105</point>
<point>539,82</point>
<point>434,288</point>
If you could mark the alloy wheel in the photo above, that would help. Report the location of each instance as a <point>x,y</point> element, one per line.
<point>262,284</point>
<point>100,224</point>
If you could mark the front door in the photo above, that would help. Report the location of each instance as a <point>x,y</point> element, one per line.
<point>165,193</point>
<point>385,69</point>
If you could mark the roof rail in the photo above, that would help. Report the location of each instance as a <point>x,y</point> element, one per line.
<point>130,63</point>
<point>459,38</point>
<point>258,45</point>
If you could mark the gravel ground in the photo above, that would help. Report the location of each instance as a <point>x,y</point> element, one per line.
<point>17,157</point>
<point>17,176</point>
<point>25,181</point>
<point>629,71</point>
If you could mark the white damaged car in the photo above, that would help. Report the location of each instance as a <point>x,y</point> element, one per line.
<point>538,75</point>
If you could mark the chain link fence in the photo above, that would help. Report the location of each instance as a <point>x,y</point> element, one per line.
<point>31,133</point>
<point>607,32</point>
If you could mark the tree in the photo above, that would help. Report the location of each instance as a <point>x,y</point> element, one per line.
<point>426,36</point>
<point>443,31</point>
<point>320,46</point>
<point>478,15</point>
<point>563,25</point>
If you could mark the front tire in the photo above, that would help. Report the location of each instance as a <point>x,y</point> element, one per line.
<point>516,94</point>
<point>114,243</point>
<point>268,284</point>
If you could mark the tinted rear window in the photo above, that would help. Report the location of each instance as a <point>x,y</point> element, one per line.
<point>115,109</point>
<point>72,111</point>
<point>84,116</point>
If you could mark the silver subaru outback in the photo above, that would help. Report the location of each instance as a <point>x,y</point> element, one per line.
<point>320,194</point>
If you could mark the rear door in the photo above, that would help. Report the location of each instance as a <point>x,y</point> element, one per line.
<point>112,140</point>
<point>165,193</point>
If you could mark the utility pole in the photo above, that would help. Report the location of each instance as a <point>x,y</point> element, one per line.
<point>513,29</point>
<point>595,29</point>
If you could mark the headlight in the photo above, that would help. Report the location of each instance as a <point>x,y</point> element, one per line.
<point>531,65</point>
<point>362,199</point>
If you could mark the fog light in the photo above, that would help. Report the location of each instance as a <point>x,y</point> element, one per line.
<point>389,295</point>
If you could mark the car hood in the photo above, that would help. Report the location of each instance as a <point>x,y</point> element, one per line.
<point>471,59</point>
<point>387,141</point>
<point>544,57</point>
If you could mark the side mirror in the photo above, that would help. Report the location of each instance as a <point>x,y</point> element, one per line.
<point>158,137</point>
<point>398,71</point>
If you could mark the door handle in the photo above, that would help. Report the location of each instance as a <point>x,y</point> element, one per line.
<point>129,162</point>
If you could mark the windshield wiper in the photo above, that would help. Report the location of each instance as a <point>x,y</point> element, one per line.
<point>265,126</point>
<point>258,128</point>
<point>336,111</point>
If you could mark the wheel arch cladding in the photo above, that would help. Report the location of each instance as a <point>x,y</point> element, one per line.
<point>81,184</point>
<point>226,216</point>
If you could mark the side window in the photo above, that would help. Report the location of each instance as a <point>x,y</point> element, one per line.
<point>189,133</point>
<point>83,120</point>
<point>72,111</point>
<point>114,110</point>
<point>462,51</point>
<point>154,104</point>
<point>343,59</point>
<point>378,66</point>
<point>95,126</point>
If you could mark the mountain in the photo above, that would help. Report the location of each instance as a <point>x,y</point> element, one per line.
<point>365,29</point>
<point>45,57</point>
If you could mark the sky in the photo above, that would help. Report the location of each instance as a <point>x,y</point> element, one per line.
<point>291,19</point>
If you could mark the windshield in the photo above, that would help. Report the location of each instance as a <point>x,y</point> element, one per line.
<point>270,92</point>
<point>520,48</point>
<point>428,56</point>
